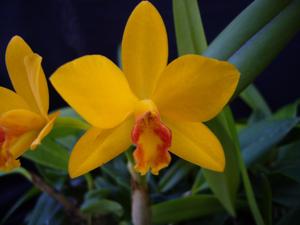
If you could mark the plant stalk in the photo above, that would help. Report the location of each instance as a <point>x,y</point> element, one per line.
<point>140,201</point>
<point>76,217</point>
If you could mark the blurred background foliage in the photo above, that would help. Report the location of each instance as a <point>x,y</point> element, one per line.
<point>261,182</point>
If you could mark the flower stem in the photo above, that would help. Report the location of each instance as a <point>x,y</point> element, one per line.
<point>140,201</point>
<point>141,212</point>
<point>73,212</point>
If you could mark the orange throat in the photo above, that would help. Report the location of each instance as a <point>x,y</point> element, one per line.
<point>2,137</point>
<point>7,161</point>
<point>152,139</point>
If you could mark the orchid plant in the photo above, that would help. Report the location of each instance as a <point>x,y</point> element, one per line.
<point>105,159</point>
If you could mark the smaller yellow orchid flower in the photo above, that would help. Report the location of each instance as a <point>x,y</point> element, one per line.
<point>157,107</point>
<point>24,119</point>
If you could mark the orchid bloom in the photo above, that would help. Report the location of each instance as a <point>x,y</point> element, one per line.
<point>157,107</point>
<point>24,119</point>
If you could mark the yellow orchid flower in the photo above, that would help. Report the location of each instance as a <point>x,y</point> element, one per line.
<point>156,106</point>
<point>24,119</point>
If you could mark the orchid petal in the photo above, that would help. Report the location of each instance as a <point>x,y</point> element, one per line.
<point>195,88</point>
<point>144,49</point>
<point>97,89</point>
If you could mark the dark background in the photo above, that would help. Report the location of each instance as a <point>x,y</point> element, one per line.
<point>61,30</point>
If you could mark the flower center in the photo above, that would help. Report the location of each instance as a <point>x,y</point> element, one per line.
<point>152,139</point>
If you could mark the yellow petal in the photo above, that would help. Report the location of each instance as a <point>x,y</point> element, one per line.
<point>37,82</point>
<point>144,49</point>
<point>45,131</point>
<point>195,88</point>
<point>195,143</point>
<point>97,89</point>
<point>97,147</point>
<point>22,143</point>
<point>16,52</point>
<point>10,100</point>
<point>19,121</point>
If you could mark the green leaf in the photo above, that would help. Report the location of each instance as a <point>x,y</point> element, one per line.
<point>68,123</point>
<point>27,196</point>
<point>261,31</point>
<point>266,199</point>
<point>118,172</point>
<point>288,111</point>
<point>243,27</point>
<point>189,30</point>
<point>98,193</point>
<point>255,101</point>
<point>246,181</point>
<point>52,176</point>
<point>50,154</point>
<point>266,44</point>
<point>182,209</point>
<point>288,162</point>
<point>102,207</point>
<point>65,126</point>
<point>174,175</point>
<point>199,183</point>
<point>257,139</point>
<point>224,185</point>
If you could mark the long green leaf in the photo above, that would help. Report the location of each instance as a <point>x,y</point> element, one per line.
<point>257,53</point>
<point>288,111</point>
<point>246,181</point>
<point>189,35</point>
<point>255,100</point>
<point>188,27</point>
<point>266,199</point>
<point>257,139</point>
<point>191,207</point>
<point>224,185</point>
<point>243,27</point>
<point>232,38</point>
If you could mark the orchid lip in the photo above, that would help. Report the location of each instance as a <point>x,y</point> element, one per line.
<point>152,139</point>
<point>2,136</point>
